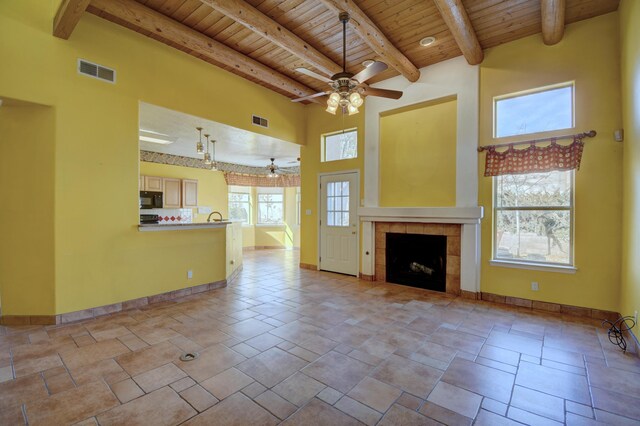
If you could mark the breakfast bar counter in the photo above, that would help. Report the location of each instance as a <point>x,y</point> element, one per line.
<point>153,227</point>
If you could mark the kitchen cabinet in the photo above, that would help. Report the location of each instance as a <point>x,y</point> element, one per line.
<point>140,183</point>
<point>189,193</point>
<point>171,189</point>
<point>153,183</point>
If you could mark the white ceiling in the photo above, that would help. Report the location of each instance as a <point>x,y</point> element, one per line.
<point>233,145</point>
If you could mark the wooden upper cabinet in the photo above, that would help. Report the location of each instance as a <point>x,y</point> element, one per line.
<point>153,183</point>
<point>171,189</point>
<point>189,193</point>
<point>140,183</point>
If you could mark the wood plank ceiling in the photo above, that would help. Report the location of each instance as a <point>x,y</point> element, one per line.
<point>403,22</point>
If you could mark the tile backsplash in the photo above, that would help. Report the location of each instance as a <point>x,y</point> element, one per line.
<point>171,215</point>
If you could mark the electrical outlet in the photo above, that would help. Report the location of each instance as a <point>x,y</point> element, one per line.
<point>189,274</point>
<point>534,286</point>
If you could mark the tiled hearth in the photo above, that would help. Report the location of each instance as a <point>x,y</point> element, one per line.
<point>451,231</point>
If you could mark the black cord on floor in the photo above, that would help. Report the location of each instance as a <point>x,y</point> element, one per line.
<point>616,330</point>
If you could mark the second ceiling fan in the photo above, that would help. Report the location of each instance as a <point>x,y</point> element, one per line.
<point>346,88</point>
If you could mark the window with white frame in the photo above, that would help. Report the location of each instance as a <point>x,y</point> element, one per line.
<point>270,206</point>
<point>340,146</point>
<point>240,204</point>
<point>533,218</point>
<point>533,212</point>
<point>539,110</point>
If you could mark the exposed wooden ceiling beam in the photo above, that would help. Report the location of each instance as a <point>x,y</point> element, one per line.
<point>68,15</point>
<point>148,19</point>
<point>371,34</point>
<point>552,20</point>
<point>247,15</point>
<point>457,20</point>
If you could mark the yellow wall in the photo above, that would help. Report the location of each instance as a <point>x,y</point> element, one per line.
<point>320,122</point>
<point>418,155</point>
<point>100,257</point>
<point>630,40</point>
<point>212,188</point>
<point>593,62</point>
<point>27,213</point>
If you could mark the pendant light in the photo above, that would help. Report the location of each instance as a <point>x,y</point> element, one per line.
<point>207,156</point>
<point>213,156</point>
<point>199,145</point>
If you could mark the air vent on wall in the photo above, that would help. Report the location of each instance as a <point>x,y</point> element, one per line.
<point>259,121</point>
<point>96,71</point>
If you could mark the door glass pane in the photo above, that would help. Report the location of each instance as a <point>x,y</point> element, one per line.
<point>345,219</point>
<point>338,203</point>
<point>345,188</point>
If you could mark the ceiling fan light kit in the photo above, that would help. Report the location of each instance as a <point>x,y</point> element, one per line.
<point>346,88</point>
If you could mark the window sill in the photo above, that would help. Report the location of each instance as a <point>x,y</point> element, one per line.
<point>270,225</point>
<point>534,267</point>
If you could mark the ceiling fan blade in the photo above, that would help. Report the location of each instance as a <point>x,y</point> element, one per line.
<point>373,69</point>
<point>314,75</point>
<point>306,98</point>
<point>383,93</point>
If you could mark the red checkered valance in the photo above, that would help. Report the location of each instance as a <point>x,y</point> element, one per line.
<point>534,159</point>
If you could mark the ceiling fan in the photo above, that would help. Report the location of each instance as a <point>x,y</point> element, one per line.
<point>272,169</point>
<point>346,88</point>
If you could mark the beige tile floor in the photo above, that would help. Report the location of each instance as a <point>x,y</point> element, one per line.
<point>281,344</point>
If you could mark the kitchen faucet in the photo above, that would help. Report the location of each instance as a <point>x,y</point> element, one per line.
<point>212,213</point>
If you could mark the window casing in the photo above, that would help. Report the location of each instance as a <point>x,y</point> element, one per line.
<point>270,206</point>
<point>240,207</point>
<point>340,146</point>
<point>533,216</point>
<point>539,110</point>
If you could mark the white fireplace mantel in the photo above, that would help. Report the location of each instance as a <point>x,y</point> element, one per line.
<point>461,215</point>
<point>468,217</point>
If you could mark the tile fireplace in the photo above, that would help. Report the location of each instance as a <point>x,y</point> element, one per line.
<point>458,227</point>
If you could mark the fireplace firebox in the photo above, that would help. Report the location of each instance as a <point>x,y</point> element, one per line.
<point>417,260</point>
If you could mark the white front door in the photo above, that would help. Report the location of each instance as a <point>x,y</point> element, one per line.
<point>339,223</point>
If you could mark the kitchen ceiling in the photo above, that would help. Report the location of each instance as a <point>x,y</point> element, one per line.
<point>233,145</point>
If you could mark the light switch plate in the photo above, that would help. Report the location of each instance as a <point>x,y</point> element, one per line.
<point>308,212</point>
<point>204,210</point>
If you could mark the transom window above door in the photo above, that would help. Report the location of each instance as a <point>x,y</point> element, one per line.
<point>340,146</point>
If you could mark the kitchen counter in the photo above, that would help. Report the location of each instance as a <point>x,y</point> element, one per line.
<point>153,227</point>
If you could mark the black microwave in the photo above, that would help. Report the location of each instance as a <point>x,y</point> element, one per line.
<point>150,200</point>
